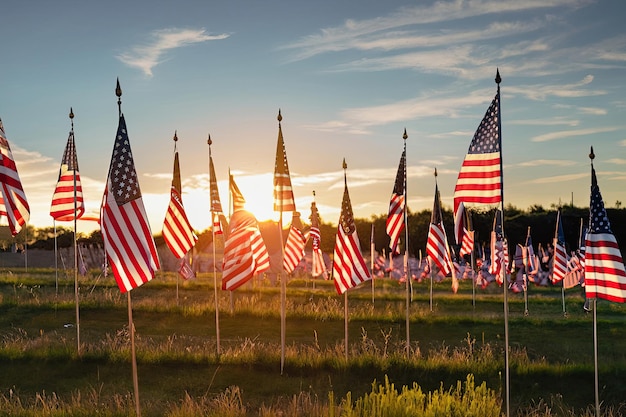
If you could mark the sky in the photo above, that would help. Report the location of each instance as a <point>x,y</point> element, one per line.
<point>348,78</point>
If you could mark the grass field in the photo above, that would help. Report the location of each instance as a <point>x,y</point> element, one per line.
<point>551,354</point>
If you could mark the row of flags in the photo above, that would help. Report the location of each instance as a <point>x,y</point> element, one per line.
<point>132,252</point>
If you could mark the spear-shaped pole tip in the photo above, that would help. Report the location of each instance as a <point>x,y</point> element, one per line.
<point>404,136</point>
<point>280,117</point>
<point>71,113</point>
<point>118,89</point>
<point>344,165</point>
<point>209,141</point>
<point>175,136</point>
<point>498,78</point>
<point>435,172</point>
<point>592,155</point>
<point>313,193</point>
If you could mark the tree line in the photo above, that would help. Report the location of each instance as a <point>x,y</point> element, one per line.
<point>541,221</point>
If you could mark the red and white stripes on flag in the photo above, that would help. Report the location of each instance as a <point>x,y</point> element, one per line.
<point>437,242</point>
<point>559,260</point>
<point>349,267</point>
<point>294,246</point>
<point>283,192</point>
<point>462,234</point>
<point>395,218</point>
<point>605,276</point>
<point>67,200</point>
<point>177,231</point>
<point>237,199</point>
<point>245,253</point>
<point>125,229</point>
<point>499,251</point>
<point>13,204</point>
<point>318,266</point>
<point>480,177</point>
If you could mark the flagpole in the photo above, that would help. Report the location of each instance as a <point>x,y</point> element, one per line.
<point>498,80</point>
<point>131,325</point>
<point>133,356</point>
<point>217,309</point>
<point>556,236</point>
<point>56,260</point>
<point>595,356</point>
<point>345,323</point>
<point>76,289</point>
<point>283,284</point>
<point>406,257</point>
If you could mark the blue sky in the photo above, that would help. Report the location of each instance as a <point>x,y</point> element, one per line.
<point>348,76</point>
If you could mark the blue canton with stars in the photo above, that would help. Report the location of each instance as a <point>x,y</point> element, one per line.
<point>123,176</point>
<point>598,220</point>
<point>487,137</point>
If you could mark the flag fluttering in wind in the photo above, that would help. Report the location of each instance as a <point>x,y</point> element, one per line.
<point>318,267</point>
<point>236,197</point>
<point>126,232</point>
<point>480,178</point>
<point>245,253</point>
<point>395,218</point>
<point>499,250</point>
<point>559,261</point>
<point>283,192</point>
<point>605,276</point>
<point>67,200</point>
<point>349,267</point>
<point>437,242</point>
<point>177,231</point>
<point>13,204</point>
<point>294,247</point>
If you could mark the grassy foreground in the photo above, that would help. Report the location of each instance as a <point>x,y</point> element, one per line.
<point>456,348</point>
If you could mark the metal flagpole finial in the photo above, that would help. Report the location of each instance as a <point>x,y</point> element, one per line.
<point>498,78</point>
<point>313,194</point>
<point>592,155</point>
<point>72,117</point>
<point>404,136</point>
<point>209,141</point>
<point>280,117</point>
<point>344,165</point>
<point>435,172</point>
<point>118,93</point>
<point>175,136</point>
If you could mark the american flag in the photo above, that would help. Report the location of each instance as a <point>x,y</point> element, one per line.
<point>67,199</point>
<point>126,232</point>
<point>13,202</point>
<point>499,250</point>
<point>605,276</point>
<point>437,242</point>
<point>283,193</point>
<point>294,247</point>
<point>480,178</point>
<point>529,259</point>
<point>318,267</point>
<point>245,253</point>
<point>177,231</point>
<point>559,261</point>
<point>395,219</point>
<point>349,267</point>
<point>237,198</point>
<point>216,205</point>
<point>463,236</point>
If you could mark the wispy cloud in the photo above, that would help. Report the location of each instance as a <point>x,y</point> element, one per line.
<point>354,34</point>
<point>147,56</point>
<point>618,161</point>
<point>546,162</point>
<point>569,133</point>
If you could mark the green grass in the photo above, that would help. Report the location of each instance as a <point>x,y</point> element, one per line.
<point>551,360</point>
